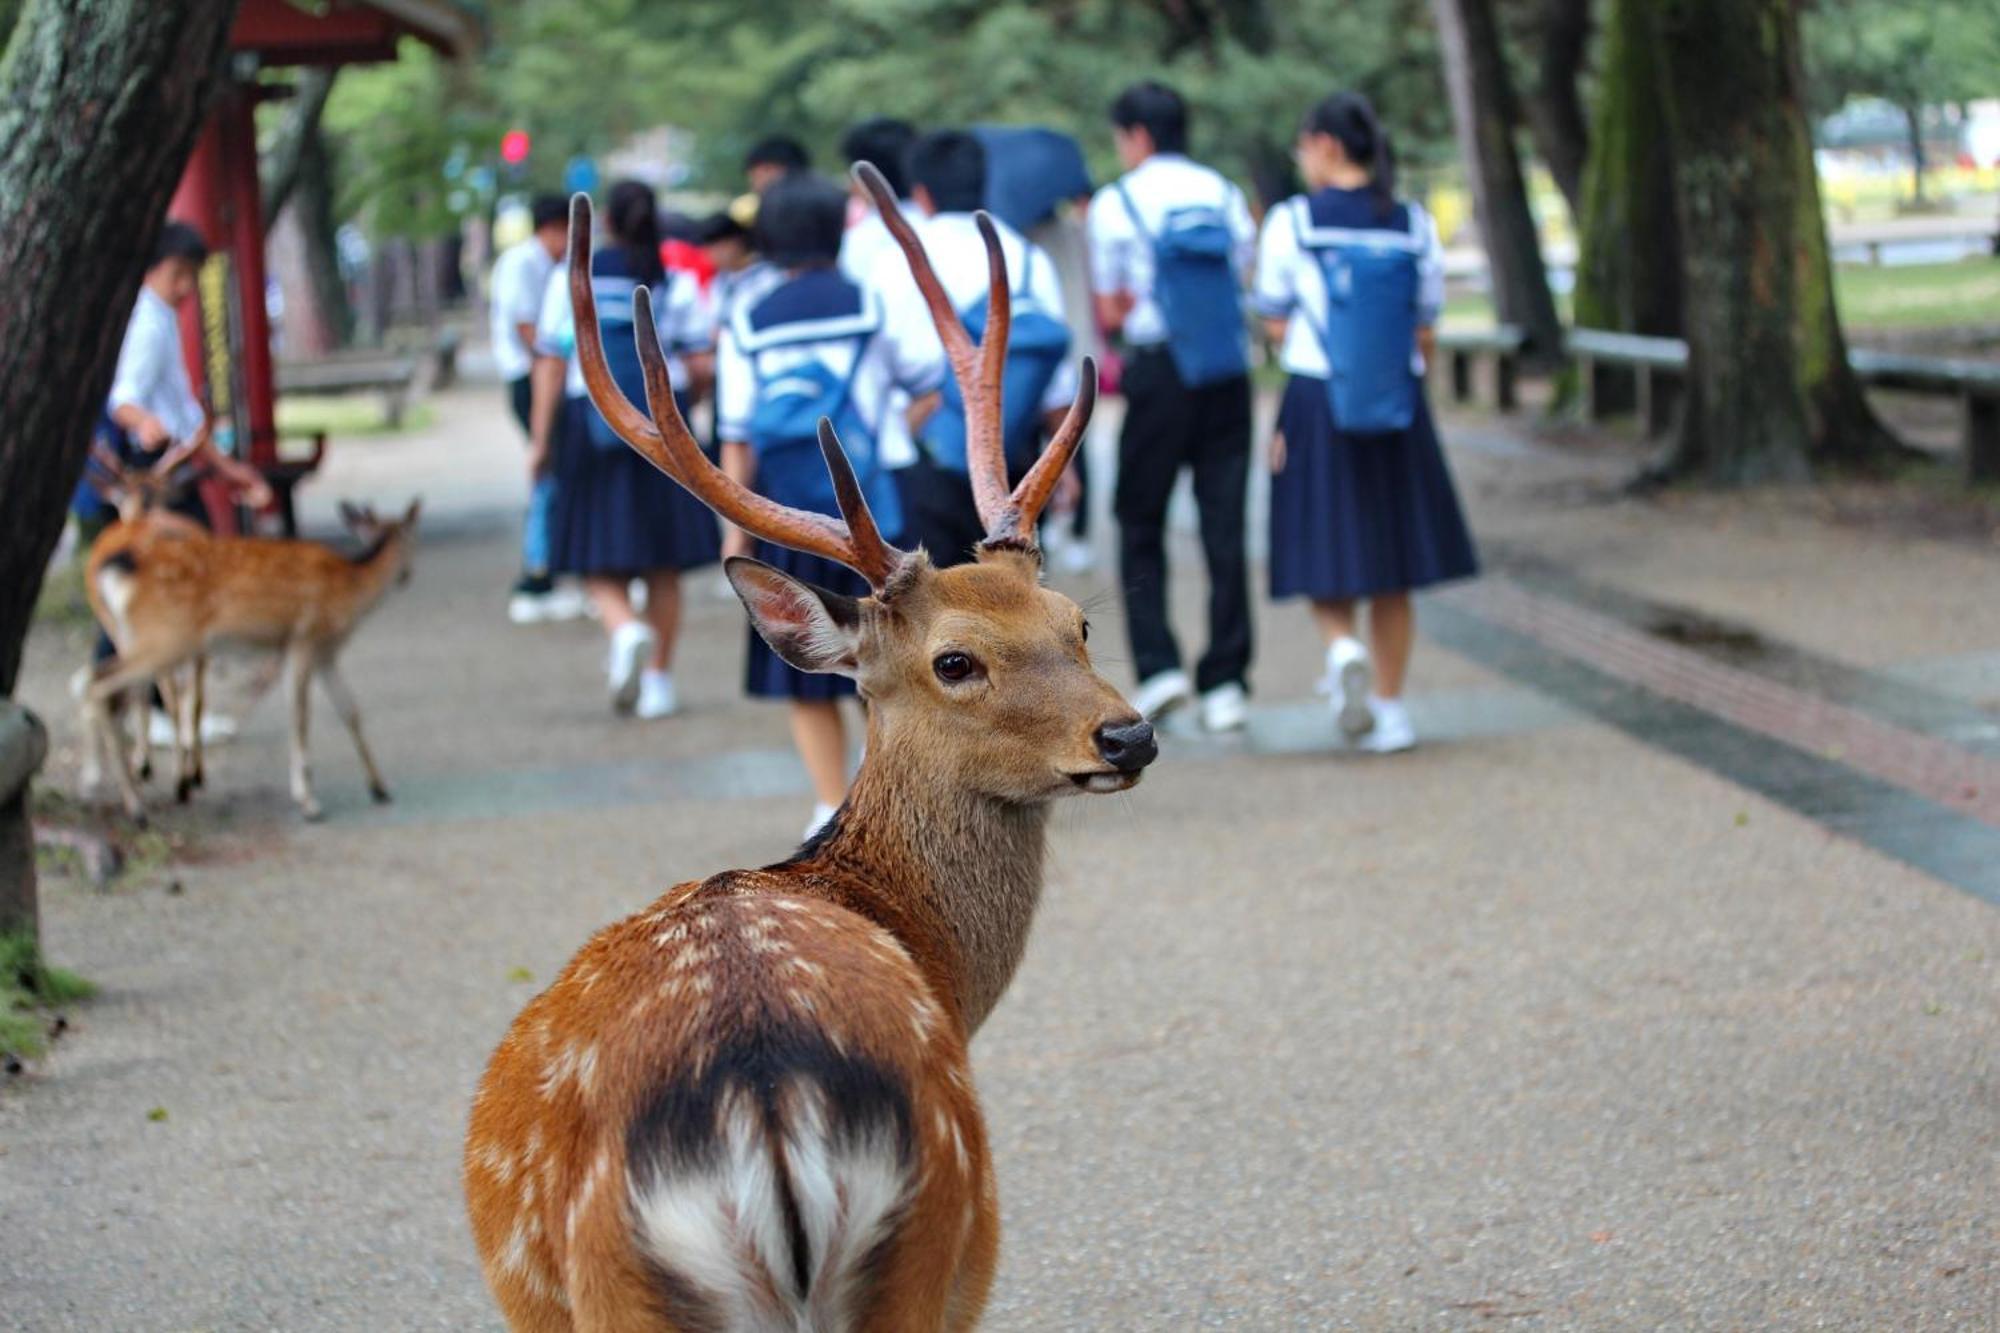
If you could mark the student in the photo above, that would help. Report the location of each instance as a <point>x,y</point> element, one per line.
<point>817,345</point>
<point>884,142</point>
<point>616,517</point>
<point>1170,244</point>
<point>773,158</point>
<point>152,406</point>
<point>947,172</point>
<point>520,281</point>
<point>742,274</point>
<point>1362,505</point>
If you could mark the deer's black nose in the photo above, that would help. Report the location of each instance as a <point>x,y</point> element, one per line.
<point>1127,746</point>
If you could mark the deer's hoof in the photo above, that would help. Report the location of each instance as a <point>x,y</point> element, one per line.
<point>182,790</point>
<point>380,794</point>
<point>311,811</point>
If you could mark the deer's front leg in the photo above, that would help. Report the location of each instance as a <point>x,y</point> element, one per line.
<point>298,676</point>
<point>350,713</point>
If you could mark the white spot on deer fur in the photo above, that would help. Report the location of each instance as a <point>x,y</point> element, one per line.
<point>801,1000</point>
<point>701,983</point>
<point>115,586</point>
<point>600,1171</point>
<point>760,944</point>
<point>671,935</point>
<point>787,905</point>
<point>495,1161</point>
<point>578,1061</point>
<point>807,966</point>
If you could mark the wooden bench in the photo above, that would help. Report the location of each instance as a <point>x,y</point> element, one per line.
<point>1976,384</point>
<point>1658,364</point>
<point>1460,349</point>
<point>392,376</point>
<point>1661,365</point>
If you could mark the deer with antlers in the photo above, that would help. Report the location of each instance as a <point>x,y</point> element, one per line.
<point>167,592</point>
<point>749,1106</point>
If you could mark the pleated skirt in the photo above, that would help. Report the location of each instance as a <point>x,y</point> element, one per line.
<point>615,514</point>
<point>768,676</point>
<point>1356,516</point>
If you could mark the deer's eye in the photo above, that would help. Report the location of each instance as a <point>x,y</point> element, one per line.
<point>956,668</point>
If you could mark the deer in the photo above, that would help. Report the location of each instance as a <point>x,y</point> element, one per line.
<point>169,593</point>
<point>749,1105</point>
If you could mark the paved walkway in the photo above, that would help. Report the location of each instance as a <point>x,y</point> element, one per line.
<point>1658,989</point>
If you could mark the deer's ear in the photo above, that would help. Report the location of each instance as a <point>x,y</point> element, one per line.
<point>810,628</point>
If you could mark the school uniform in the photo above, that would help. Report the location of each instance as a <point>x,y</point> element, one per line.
<point>520,282</point>
<point>1352,515</point>
<point>865,244</point>
<point>615,514</point>
<point>1171,424</point>
<point>816,318</point>
<point>937,489</point>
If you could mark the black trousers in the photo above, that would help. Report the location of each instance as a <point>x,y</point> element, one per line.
<point>1169,426</point>
<point>938,512</point>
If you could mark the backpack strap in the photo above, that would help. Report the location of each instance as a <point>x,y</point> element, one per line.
<point>1132,210</point>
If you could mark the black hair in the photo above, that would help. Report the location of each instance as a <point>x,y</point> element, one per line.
<point>1350,119</point>
<point>1159,109</point>
<point>634,216</point>
<point>548,209</point>
<point>801,221</point>
<point>951,164</point>
<point>884,141</point>
<point>180,240</point>
<point>778,150</point>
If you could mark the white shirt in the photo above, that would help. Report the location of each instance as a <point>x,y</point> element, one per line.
<point>863,244</point>
<point>152,374</point>
<point>1121,259</point>
<point>680,315</point>
<point>514,298</point>
<point>958,255</point>
<point>1290,283</point>
<point>889,363</point>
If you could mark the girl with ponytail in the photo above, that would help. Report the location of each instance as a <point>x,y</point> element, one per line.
<point>1349,282</point>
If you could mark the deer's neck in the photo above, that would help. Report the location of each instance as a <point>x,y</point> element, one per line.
<point>957,875</point>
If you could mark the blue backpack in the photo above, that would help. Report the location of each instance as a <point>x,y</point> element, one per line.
<point>1373,284</point>
<point>784,426</point>
<point>621,355</point>
<point>1194,282</point>
<point>1037,342</point>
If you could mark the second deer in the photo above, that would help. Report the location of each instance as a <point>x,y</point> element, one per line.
<point>750,1105</point>
<point>168,592</point>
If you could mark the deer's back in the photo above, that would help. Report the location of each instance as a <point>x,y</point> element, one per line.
<point>728,1105</point>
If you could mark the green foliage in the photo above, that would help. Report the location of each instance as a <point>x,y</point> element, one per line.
<point>1941,51</point>
<point>583,75</point>
<point>28,985</point>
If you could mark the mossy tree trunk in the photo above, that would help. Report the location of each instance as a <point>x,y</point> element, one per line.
<point>99,104</point>
<point>1559,33</point>
<point>1770,392</point>
<point>1482,110</point>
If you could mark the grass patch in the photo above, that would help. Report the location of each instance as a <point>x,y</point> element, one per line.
<point>61,601</point>
<point>29,988</point>
<point>143,852</point>
<point>346,416</point>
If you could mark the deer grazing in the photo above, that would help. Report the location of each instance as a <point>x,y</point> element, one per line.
<point>168,592</point>
<point>749,1106</point>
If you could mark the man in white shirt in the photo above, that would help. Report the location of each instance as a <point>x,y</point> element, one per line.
<point>947,174</point>
<point>884,143</point>
<point>1172,420</point>
<point>520,279</point>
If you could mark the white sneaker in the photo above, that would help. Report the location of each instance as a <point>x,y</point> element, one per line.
<point>631,645</point>
<point>1225,708</point>
<point>656,695</point>
<point>822,813</point>
<point>559,603</point>
<point>1392,731</point>
<point>216,729</point>
<point>1160,694</point>
<point>1349,674</point>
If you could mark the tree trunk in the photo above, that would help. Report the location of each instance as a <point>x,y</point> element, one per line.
<point>1913,117</point>
<point>1628,275</point>
<point>1769,388</point>
<point>319,317</point>
<point>1554,105</point>
<point>278,168</point>
<point>98,108</point>
<point>1476,75</point>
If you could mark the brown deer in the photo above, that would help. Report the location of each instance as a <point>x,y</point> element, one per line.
<point>169,593</point>
<point>749,1106</point>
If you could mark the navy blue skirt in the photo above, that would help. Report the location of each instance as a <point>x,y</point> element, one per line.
<point>1361,515</point>
<point>768,676</point>
<point>615,514</point>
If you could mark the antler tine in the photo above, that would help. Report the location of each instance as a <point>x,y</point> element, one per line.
<point>977,368</point>
<point>683,460</point>
<point>626,419</point>
<point>163,467</point>
<point>1029,498</point>
<point>874,558</point>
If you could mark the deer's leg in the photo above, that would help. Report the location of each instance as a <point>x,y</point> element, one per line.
<point>137,711</point>
<point>114,679</point>
<point>175,700</point>
<point>197,776</point>
<point>350,713</point>
<point>298,675</point>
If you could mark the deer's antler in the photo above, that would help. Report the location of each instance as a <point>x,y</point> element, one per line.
<point>979,368</point>
<point>669,445</point>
